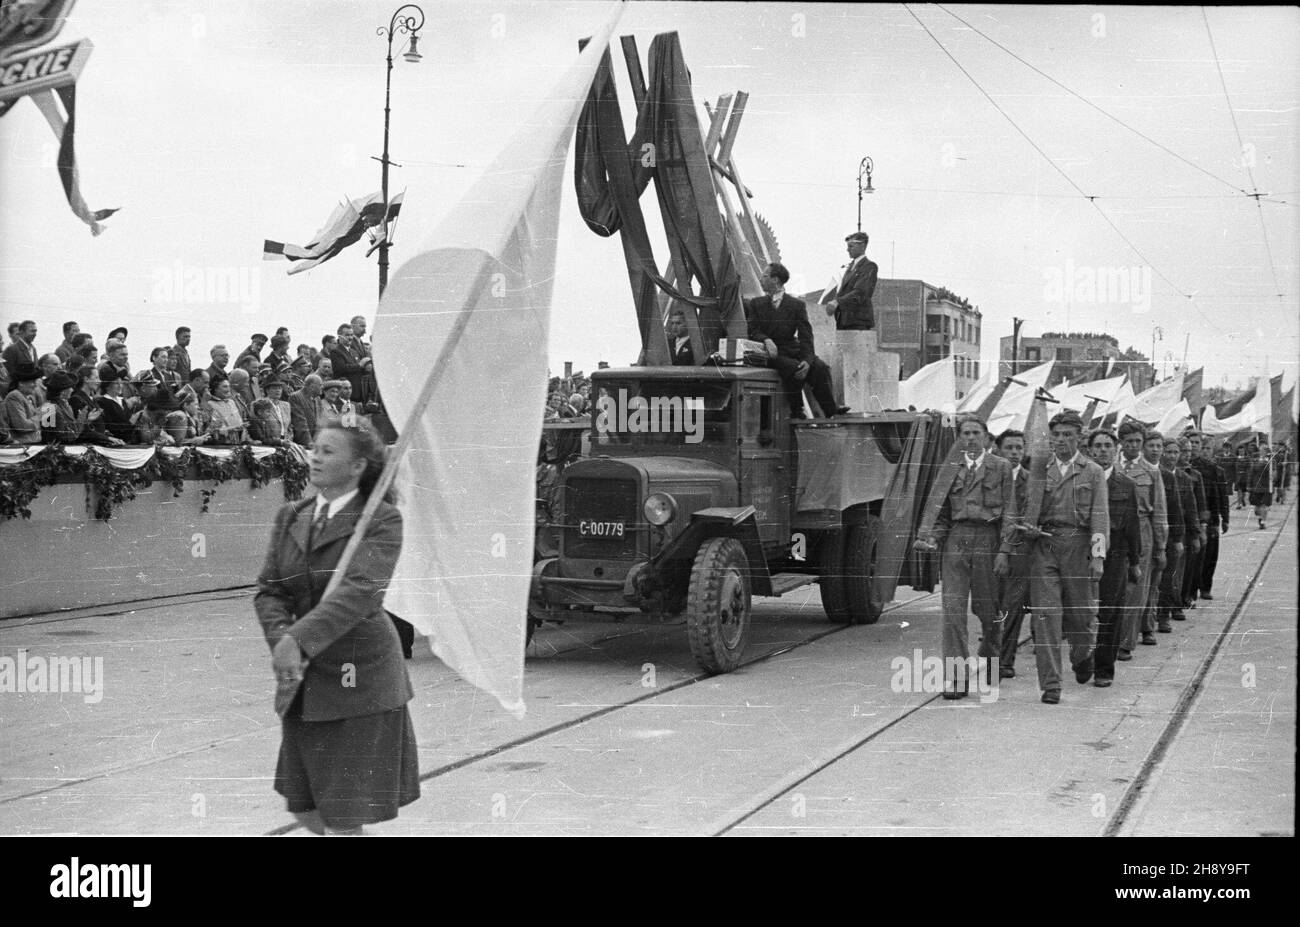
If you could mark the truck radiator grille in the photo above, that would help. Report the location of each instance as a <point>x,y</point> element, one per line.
<point>600,519</point>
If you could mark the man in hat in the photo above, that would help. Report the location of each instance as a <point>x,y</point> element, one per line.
<point>254,349</point>
<point>1069,519</point>
<point>975,524</point>
<point>20,408</point>
<point>780,322</point>
<point>1124,557</point>
<point>280,418</point>
<point>305,409</point>
<point>23,350</point>
<point>1153,526</point>
<point>297,373</point>
<point>850,302</point>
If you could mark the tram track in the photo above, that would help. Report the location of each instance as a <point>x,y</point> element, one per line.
<point>606,710</point>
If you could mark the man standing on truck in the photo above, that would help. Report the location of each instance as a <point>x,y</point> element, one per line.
<point>850,304</point>
<point>975,524</point>
<point>780,322</point>
<point>1069,518</point>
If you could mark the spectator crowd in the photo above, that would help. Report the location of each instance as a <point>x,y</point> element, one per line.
<point>273,394</point>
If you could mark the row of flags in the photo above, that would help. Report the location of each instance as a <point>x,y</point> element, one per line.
<point>347,223</point>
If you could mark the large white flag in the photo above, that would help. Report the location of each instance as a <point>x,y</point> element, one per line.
<point>1012,410</point>
<point>1153,404</point>
<point>1176,420</point>
<point>934,386</point>
<point>460,347</point>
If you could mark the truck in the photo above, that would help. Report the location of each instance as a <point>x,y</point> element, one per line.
<point>701,491</point>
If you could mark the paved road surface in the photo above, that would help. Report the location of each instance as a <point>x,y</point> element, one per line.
<point>624,736</point>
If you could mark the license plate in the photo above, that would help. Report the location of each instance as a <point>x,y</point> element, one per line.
<point>601,529</point>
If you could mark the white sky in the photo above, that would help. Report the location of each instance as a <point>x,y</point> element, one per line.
<point>217,124</point>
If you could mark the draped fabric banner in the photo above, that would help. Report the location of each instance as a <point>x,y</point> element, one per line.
<point>132,458</point>
<point>1013,409</point>
<point>478,291</point>
<point>1175,421</point>
<point>1153,404</point>
<point>65,131</point>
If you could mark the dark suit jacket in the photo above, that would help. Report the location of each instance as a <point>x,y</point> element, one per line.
<point>356,666</point>
<point>116,420</point>
<point>183,362</point>
<point>684,357</point>
<point>302,418</point>
<point>1215,483</point>
<point>1187,500</point>
<point>347,366</point>
<point>1174,504</point>
<point>853,309</point>
<point>15,355</point>
<point>1125,529</point>
<point>787,325</point>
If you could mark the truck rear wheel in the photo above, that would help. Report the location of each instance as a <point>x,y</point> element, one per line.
<point>718,605</point>
<point>848,583</point>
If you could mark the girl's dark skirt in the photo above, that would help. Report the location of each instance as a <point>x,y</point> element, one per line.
<point>1261,498</point>
<point>355,771</point>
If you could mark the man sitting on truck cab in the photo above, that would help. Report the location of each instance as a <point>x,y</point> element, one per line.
<point>780,322</point>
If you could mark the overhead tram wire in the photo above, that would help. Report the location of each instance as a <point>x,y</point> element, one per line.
<point>1091,199</point>
<point>1083,99</point>
<point>1241,146</point>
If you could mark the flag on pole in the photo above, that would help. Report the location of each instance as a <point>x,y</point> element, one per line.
<point>1177,420</point>
<point>345,226</point>
<point>1013,408</point>
<point>1151,405</point>
<point>463,327</point>
<point>382,231</point>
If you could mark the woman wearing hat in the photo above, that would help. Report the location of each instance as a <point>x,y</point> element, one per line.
<point>119,416</point>
<point>225,420</point>
<point>348,754</point>
<point>163,417</point>
<point>20,411</point>
<point>59,423</point>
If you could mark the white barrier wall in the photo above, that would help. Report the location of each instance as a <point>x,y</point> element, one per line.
<point>155,545</point>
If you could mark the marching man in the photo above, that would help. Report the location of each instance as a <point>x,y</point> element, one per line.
<point>975,526</point>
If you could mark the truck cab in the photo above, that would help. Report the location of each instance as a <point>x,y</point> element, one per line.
<point>690,502</point>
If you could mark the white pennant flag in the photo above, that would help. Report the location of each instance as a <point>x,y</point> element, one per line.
<point>460,345</point>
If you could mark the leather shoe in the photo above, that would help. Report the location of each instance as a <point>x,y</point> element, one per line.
<point>1207,597</point>
<point>1178,615</point>
<point>1148,638</point>
<point>1102,682</point>
<point>1164,627</point>
<point>1123,655</point>
<point>1051,697</point>
<point>842,410</point>
<point>1083,670</point>
<point>953,694</point>
<point>1006,672</point>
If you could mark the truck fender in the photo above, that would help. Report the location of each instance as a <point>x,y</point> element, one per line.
<point>739,522</point>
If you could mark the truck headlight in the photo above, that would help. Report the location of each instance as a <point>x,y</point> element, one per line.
<point>660,508</point>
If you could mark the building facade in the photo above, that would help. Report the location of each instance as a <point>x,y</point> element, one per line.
<point>923,323</point>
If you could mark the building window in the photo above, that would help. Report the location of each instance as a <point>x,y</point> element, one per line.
<point>1033,354</point>
<point>933,325</point>
<point>1065,355</point>
<point>975,371</point>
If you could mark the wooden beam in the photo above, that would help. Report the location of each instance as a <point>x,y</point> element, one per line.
<point>634,73</point>
<point>733,126</point>
<point>716,120</point>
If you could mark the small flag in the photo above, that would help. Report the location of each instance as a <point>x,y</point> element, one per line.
<point>344,227</point>
<point>382,230</point>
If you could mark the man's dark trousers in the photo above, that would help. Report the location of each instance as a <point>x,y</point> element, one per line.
<point>818,380</point>
<point>1013,592</point>
<point>1110,615</point>
<point>1209,560</point>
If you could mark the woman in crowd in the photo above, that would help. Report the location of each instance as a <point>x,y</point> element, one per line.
<point>225,420</point>
<point>348,753</point>
<point>59,423</point>
<point>119,414</point>
<point>161,374</point>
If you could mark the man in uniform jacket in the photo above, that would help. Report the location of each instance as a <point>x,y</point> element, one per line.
<point>1154,526</point>
<point>1218,498</point>
<point>780,321</point>
<point>850,302</point>
<point>1068,516</point>
<point>975,525</point>
<point>1013,589</point>
<point>1154,617</point>
<point>1123,559</point>
<point>1192,566</point>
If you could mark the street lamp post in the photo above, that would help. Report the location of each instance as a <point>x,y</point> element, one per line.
<point>1154,330</point>
<point>1015,345</point>
<point>864,169</point>
<point>410,23</point>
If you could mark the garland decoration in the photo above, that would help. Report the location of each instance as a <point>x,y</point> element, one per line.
<point>109,487</point>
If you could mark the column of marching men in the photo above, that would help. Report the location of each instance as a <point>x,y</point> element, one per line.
<point>1105,544</point>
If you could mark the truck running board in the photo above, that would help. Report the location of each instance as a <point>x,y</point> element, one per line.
<point>788,582</point>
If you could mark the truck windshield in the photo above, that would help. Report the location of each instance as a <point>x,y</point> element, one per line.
<point>672,412</point>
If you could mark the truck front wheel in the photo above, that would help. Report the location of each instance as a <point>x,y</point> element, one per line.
<point>718,604</point>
